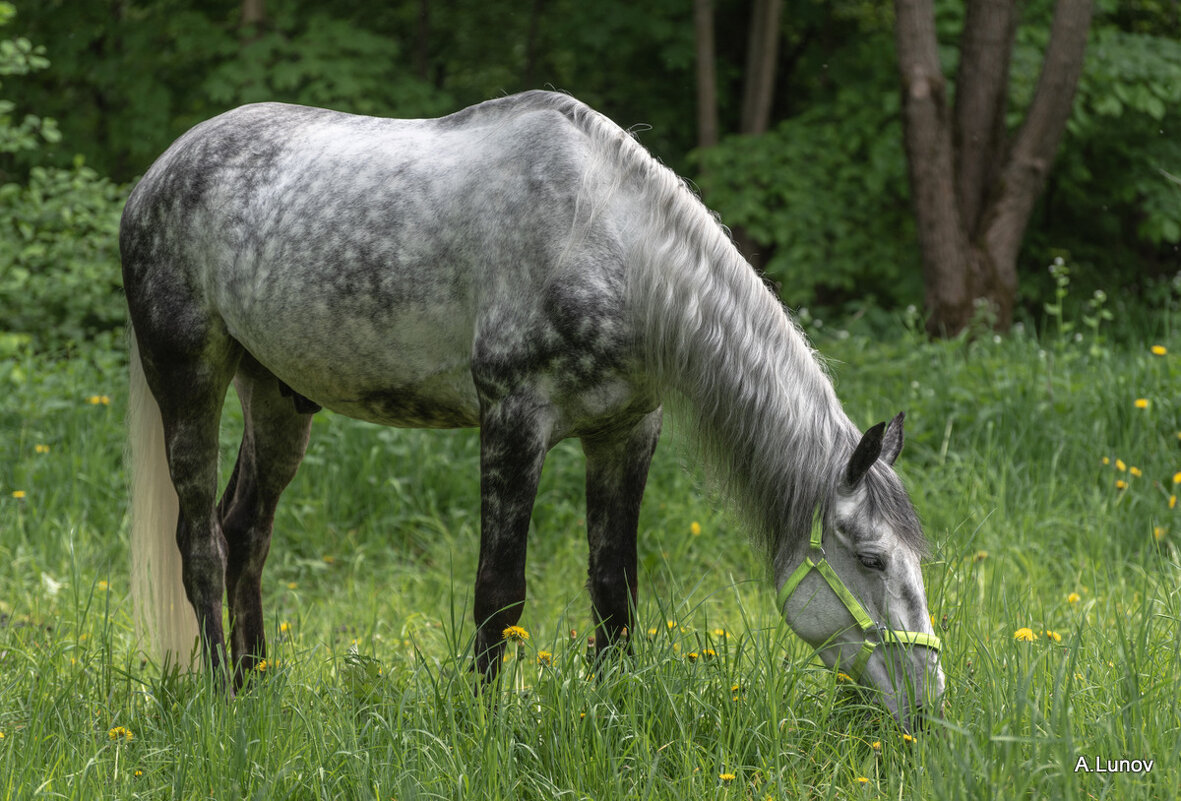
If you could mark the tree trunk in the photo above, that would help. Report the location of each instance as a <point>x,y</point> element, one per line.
<point>973,196</point>
<point>531,40</point>
<point>253,12</point>
<point>707,79</point>
<point>761,57</point>
<point>422,42</point>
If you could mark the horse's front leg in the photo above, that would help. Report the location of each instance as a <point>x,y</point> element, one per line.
<point>273,443</point>
<point>514,438</point>
<point>616,472</point>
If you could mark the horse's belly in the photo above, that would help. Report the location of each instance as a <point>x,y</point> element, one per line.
<point>387,374</point>
<point>440,403</point>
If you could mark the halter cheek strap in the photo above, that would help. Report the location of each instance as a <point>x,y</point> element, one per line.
<point>875,634</point>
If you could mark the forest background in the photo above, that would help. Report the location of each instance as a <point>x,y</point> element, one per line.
<point>815,182</point>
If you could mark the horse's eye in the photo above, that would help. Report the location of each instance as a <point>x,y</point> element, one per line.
<point>872,562</point>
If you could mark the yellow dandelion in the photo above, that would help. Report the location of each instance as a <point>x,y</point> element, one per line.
<point>1177,477</point>
<point>862,780</point>
<point>1172,501</point>
<point>291,585</point>
<point>906,738</point>
<point>672,624</point>
<point>545,659</point>
<point>103,586</point>
<point>727,777</point>
<point>18,494</point>
<point>691,656</point>
<point>262,666</point>
<point>41,449</point>
<point>1,735</point>
<point>1052,635</point>
<point>1135,471</point>
<point>1121,484</point>
<point>1159,350</point>
<point>1073,598</point>
<point>876,745</point>
<point>981,556</point>
<point>1106,460</point>
<point>284,627</point>
<point>721,633</point>
<point>1024,634</point>
<point>328,559</point>
<point>139,773</point>
<point>1158,533</point>
<point>844,677</point>
<point>1141,403</point>
<point>652,632</point>
<point>708,653</point>
<point>1119,465</point>
<point>515,633</point>
<point>121,733</point>
<point>736,688</point>
<point>694,528</point>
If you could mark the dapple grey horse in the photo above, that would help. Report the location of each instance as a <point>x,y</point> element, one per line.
<point>524,266</point>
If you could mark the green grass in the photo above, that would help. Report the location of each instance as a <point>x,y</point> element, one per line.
<point>368,695</point>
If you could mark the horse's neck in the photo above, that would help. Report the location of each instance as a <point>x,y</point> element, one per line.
<point>765,410</point>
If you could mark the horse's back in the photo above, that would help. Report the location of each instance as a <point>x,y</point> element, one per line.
<point>367,261</point>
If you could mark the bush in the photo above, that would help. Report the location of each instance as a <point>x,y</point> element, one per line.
<point>60,281</point>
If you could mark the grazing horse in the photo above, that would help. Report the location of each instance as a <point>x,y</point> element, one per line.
<point>524,266</point>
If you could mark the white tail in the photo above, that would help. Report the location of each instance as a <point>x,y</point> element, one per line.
<point>164,619</point>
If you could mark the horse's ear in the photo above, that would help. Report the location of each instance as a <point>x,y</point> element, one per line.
<point>892,441</point>
<point>867,452</point>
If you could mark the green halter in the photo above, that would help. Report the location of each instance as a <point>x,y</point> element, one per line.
<point>875,634</point>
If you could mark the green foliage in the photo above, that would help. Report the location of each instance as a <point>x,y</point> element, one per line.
<point>19,57</point>
<point>59,275</point>
<point>1127,108</point>
<point>321,61</point>
<point>58,232</point>
<point>827,192</point>
<point>1109,202</point>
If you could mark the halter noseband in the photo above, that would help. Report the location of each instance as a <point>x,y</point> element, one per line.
<point>815,560</point>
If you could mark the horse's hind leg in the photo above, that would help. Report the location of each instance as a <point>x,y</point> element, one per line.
<point>189,379</point>
<point>273,444</point>
<point>616,471</point>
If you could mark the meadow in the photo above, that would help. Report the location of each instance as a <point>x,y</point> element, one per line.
<point>1045,469</point>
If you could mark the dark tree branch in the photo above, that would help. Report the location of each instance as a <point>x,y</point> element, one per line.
<point>422,42</point>
<point>981,98</point>
<point>707,80</point>
<point>762,56</point>
<point>1024,174</point>
<point>531,41</point>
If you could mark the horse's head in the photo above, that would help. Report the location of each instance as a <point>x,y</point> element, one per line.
<point>856,593</point>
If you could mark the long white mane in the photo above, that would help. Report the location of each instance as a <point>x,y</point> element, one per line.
<point>757,397</point>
